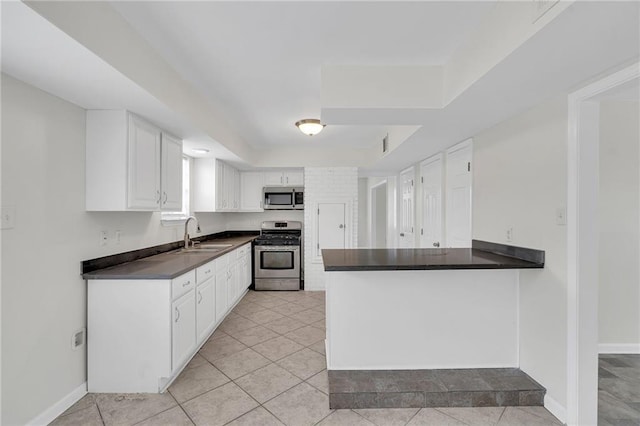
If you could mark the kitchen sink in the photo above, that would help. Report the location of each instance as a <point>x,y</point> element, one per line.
<point>202,248</point>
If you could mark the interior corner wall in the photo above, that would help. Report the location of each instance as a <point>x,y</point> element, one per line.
<point>519,182</point>
<point>619,199</point>
<point>43,294</point>
<point>326,184</point>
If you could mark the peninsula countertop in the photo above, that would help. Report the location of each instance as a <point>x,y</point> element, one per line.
<point>167,265</point>
<point>482,255</point>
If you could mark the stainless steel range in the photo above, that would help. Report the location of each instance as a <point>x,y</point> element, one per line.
<point>278,254</point>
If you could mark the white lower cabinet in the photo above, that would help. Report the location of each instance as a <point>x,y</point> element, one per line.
<point>141,332</point>
<point>183,329</point>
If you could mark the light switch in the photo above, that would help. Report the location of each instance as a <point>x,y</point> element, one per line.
<point>8,217</point>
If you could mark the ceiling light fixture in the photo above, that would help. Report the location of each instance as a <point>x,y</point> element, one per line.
<point>200,150</point>
<point>310,126</point>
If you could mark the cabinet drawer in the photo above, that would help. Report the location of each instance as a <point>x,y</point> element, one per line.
<point>183,284</point>
<point>206,271</point>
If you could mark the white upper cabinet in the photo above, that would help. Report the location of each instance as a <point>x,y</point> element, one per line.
<point>216,186</point>
<point>171,168</point>
<point>251,184</point>
<point>284,178</point>
<point>129,166</point>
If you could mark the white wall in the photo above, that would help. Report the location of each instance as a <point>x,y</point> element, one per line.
<point>619,276</point>
<point>252,221</point>
<point>44,297</point>
<point>327,184</point>
<point>519,180</point>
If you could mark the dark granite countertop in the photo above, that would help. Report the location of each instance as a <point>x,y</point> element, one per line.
<point>423,259</point>
<point>166,265</point>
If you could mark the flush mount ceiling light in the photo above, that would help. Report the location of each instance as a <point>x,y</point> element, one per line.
<point>310,126</point>
<point>200,150</point>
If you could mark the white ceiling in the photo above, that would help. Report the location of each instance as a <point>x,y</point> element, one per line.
<point>258,63</point>
<point>262,60</point>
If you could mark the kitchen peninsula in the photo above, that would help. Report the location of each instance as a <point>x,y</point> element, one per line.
<point>423,309</point>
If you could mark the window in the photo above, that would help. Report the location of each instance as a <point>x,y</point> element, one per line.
<point>172,217</point>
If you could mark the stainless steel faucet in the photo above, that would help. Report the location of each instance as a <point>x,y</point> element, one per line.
<point>187,239</point>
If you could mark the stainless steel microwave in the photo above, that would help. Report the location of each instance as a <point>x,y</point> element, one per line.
<point>283,198</point>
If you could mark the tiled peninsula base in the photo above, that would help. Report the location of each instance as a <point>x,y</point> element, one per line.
<point>483,387</point>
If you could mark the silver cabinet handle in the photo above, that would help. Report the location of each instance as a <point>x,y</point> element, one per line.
<point>177,314</point>
<point>281,179</point>
<point>341,226</point>
<point>287,179</point>
<point>158,196</point>
<point>208,271</point>
<point>186,284</point>
<point>199,300</point>
<point>166,197</point>
<point>436,244</point>
<point>402,234</point>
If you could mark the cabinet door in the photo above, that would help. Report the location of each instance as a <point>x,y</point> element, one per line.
<point>251,190</point>
<point>236,189</point>
<point>183,340</point>
<point>228,187</point>
<point>273,179</point>
<point>232,284</point>
<point>143,180</point>
<point>221,201</point>
<point>293,178</point>
<point>205,308</point>
<point>221,294</point>
<point>171,168</point>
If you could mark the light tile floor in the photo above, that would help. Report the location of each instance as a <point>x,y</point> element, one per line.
<point>265,365</point>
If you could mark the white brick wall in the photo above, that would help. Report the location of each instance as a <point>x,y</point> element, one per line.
<point>327,184</point>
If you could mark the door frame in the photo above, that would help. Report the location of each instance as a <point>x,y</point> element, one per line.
<point>582,245</point>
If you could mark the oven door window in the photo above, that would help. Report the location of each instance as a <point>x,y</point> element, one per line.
<point>279,199</point>
<point>276,260</point>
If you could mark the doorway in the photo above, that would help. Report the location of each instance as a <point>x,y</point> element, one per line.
<point>583,243</point>
<point>379,222</point>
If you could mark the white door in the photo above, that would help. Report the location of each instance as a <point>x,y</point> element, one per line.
<point>171,167</point>
<point>407,208</point>
<point>458,197</point>
<point>431,180</point>
<point>331,226</point>
<point>183,329</point>
<point>205,308</point>
<point>144,165</point>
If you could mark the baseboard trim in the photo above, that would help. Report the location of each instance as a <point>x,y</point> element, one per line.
<point>51,413</point>
<point>555,408</point>
<point>619,348</point>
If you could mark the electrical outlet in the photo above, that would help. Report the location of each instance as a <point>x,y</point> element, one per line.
<point>8,217</point>
<point>78,338</point>
<point>117,236</point>
<point>509,234</point>
<point>104,238</point>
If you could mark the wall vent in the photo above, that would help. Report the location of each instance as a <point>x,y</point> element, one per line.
<point>385,143</point>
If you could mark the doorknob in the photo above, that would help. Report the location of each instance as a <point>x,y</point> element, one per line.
<point>436,244</point>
